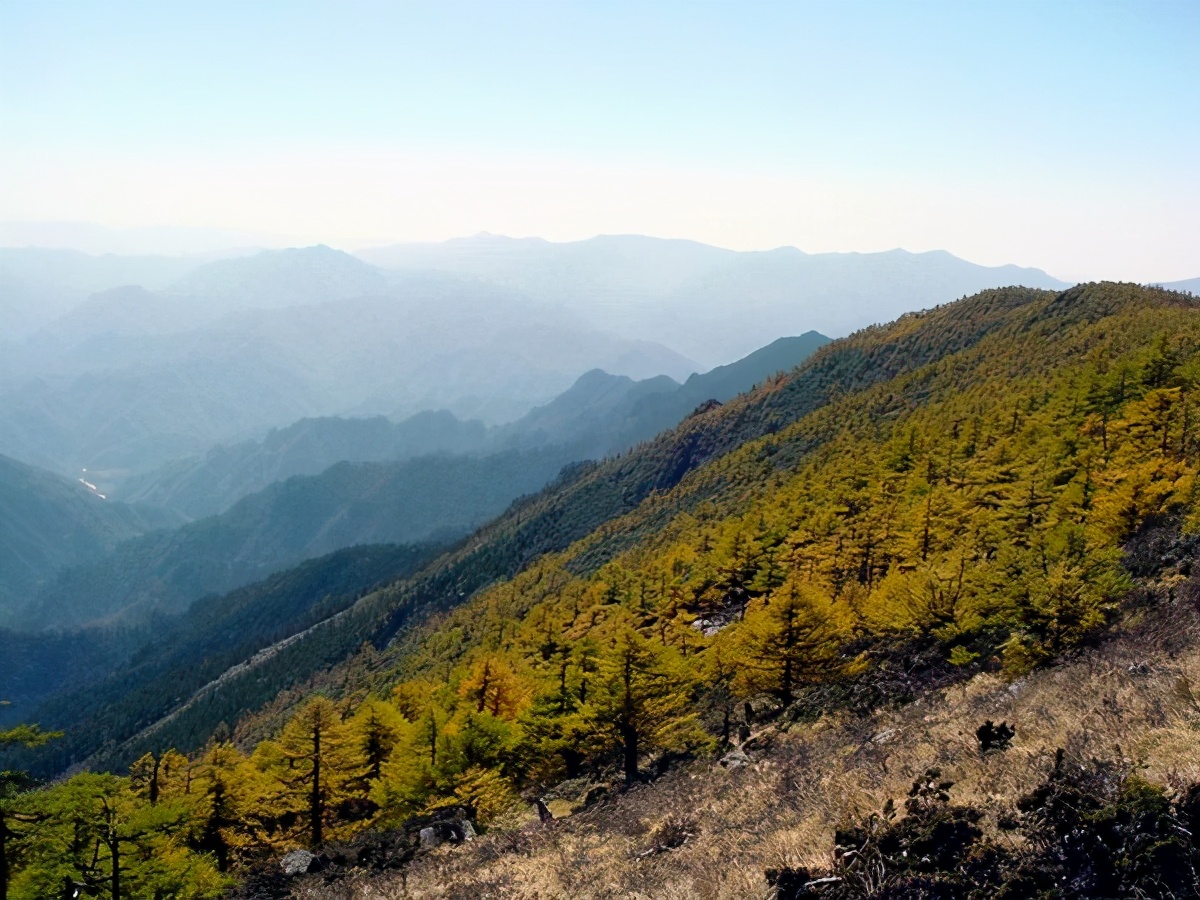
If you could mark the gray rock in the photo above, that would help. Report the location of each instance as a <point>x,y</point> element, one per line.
<point>735,759</point>
<point>468,830</point>
<point>300,862</point>
<point>430,838</point>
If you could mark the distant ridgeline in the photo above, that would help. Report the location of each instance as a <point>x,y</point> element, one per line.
<point>963,478</point>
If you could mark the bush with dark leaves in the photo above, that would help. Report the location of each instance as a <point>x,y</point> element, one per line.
<point>1088,831</point>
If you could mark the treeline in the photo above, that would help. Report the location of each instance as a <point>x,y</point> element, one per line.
<point>978,503</point>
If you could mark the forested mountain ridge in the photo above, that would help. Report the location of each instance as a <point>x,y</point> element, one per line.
<point>586,497</point>
<point>956,485</point>
<point>429,498</point>
<point>600,414</point>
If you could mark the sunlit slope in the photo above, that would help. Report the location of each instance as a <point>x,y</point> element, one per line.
<point>984,509</point>
<point>970,514</point>
<point>590,496</point>
<point>981,499</point>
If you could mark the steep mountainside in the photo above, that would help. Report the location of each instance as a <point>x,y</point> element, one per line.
<point>969,494</point>
<point>119,678</point>
<point>589,496</point>
<point>48,524</point>
<point>595,407</point>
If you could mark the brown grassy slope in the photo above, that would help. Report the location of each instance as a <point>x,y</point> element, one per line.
<point>1135,698</point>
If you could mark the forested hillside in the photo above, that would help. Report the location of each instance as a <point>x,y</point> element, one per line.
<point>120,679</point>
<point>429,498</point>
<point>208,485</point>
<point>588,496</point>
<point>949,496</point>
<point>51,524</point>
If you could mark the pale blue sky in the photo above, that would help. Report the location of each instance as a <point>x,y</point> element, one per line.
<point>1062,135</point>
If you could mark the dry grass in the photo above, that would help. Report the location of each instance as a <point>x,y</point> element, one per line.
<point>1134,699</point>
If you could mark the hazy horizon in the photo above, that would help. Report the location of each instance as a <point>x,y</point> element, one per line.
<point>215,243</point>
<point>1057,136</point>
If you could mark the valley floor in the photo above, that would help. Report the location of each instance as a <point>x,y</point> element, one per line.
<point>1134,700</point>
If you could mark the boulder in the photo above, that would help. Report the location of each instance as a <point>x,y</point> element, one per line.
<point>735,759</point>
<point>300,862</point>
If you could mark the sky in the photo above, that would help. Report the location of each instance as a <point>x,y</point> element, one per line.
<point>1052,134</point>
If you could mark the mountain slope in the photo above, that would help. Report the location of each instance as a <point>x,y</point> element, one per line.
<point>203,486</point>
<point>589,496</point>
<point>429,498</point>
<point>977,491</point>
<point>48,524</point>
<point>121,679</point>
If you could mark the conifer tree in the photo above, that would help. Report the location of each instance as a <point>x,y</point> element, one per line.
<point>641,699</point>
<point>308,761</point>
<point>788,640</point>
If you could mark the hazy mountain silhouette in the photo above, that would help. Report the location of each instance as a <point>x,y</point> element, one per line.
<point>1191,285</point>
<point>131,378</point>
<point>598,415</point>
<point>39,285</point>
<point>205,485</point>
<point>711,304</point>
<point>604,414</point>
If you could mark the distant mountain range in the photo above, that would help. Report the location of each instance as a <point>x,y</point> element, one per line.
<point>127,381</point>
<point>1191,285</point>
<point>712,305</point>
<point>123,364</point>
<point>599,415</point>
